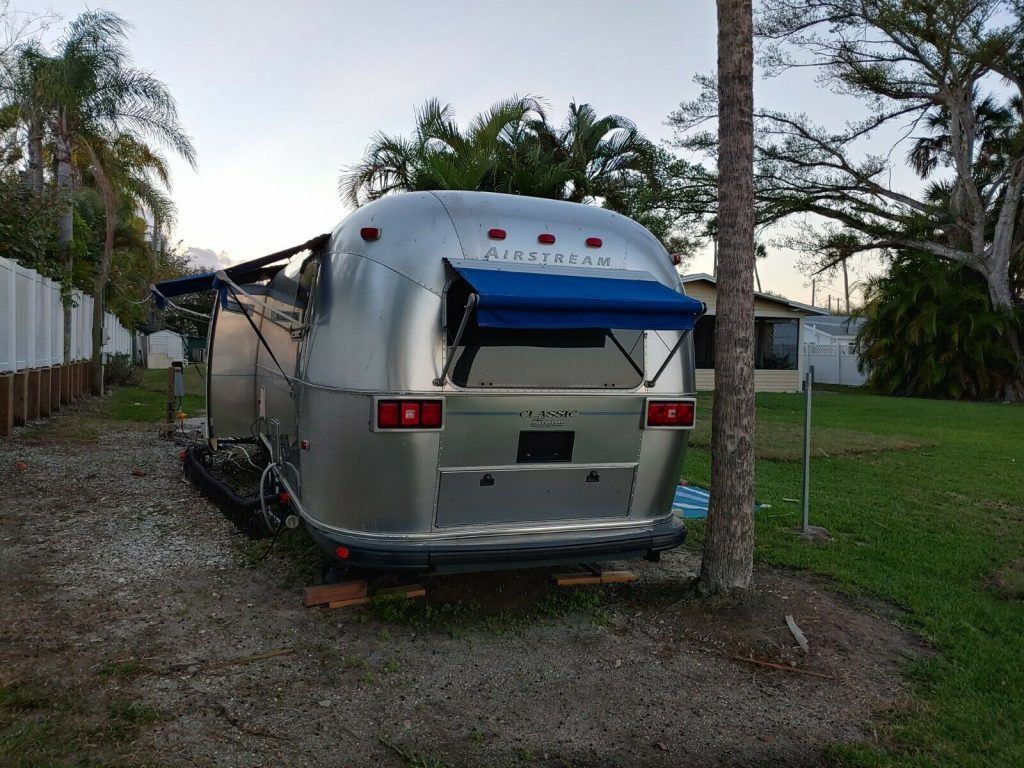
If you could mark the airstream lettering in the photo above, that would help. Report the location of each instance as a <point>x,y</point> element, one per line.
<point>545,257</point>
<point>430,402</point>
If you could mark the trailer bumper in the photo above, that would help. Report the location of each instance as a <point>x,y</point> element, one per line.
<point>441,555</point>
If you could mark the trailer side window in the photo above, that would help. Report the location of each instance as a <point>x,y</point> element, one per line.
<point>541,359</point>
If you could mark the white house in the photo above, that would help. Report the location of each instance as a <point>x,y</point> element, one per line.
<point>163,348</point>
<point>778,339</point>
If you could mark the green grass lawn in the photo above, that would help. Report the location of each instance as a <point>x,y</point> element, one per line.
<point>932,522</point>
<point>147,401</point>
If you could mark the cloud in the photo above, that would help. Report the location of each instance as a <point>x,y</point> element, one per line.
<point>208,259</point>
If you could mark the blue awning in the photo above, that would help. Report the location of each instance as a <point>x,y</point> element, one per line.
<point>551,299</point>
<point>246,272</point>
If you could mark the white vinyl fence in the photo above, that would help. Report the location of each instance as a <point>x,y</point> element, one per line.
<point>834,363</point>
<point>32,322</point>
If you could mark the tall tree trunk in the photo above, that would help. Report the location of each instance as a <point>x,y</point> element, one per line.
<point>35,155</point>
<point>102,273</point>
<point>846,286</point>
<point>158,240</point>
<point>729,542</point>
<point>1000,294</point>
<point>65,223</point>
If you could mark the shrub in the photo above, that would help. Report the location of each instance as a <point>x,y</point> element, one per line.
<point>931,331</point>
<point>122,371</point>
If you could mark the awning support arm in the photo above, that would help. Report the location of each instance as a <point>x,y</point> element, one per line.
<point>450,357</point>
<point>259,335</point>
<point>664,365</point>
<point>625,354</point>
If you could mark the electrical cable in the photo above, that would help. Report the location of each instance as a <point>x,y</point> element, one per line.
<point>263,500</point>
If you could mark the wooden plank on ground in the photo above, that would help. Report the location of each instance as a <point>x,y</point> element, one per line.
<point>584,578</point>
<point>409,591</point>
<point>329,593</point>
<point>347,603</point>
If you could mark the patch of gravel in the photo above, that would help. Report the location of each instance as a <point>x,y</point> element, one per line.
<point>100,564</point>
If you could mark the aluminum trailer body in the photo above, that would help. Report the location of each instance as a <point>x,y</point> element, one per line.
<point>403,444</point>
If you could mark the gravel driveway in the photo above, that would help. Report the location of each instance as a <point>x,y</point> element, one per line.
<point>130,608</point>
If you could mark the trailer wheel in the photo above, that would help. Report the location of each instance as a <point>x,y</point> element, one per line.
<point>332,574</point>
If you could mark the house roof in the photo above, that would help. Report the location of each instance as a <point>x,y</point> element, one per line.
<point>782,300</point>
<point>836,325</point>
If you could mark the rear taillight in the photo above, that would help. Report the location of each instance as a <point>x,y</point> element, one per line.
<point>430,413</point>
<point>408,414</point>
<point>671,413</point>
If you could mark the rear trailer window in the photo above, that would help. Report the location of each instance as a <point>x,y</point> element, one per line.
<point>541,359</point>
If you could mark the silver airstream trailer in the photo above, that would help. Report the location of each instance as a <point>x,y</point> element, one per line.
<point>462,380</point>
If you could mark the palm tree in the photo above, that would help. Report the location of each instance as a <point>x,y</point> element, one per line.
<point>600,152</point>
<point>90,91</point>
<point>727,564</point>
<point>510,148</point>
<point>24,87</point>
<point>129,175</point>
<point>439,155</point>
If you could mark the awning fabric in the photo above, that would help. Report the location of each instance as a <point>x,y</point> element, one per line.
<point>511,298</point>
<point>246,272</point>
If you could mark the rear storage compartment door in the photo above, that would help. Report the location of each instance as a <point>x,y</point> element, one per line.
<point>486,496</point>
<point>535,458</point>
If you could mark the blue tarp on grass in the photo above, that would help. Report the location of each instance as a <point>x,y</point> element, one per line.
<point>691,502</point>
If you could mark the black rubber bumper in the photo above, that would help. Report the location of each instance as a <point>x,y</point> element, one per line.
<point>463,555</point>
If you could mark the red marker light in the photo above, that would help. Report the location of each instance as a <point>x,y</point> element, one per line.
<point>677,258</point>
<point>430,413</point>
<point>341,553</point>
<point>283,497</point>
<point>387,413</point>
<point>546,237</point>
<point>369,233</point>
<point>496,234</point>
<point>670,413</point>
<point>594,242</point>
<point>410,414</point>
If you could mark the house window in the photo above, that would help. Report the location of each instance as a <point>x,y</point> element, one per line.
<point>704,342</point>
<point>776,342</point>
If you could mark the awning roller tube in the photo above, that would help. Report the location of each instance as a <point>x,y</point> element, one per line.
<point>547,300</point>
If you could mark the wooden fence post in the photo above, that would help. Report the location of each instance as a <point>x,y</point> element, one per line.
<point>20,386</point>
<point>45,396</point>
<point>32,396</point>
<point>65,383</point>
<point>6,404</point>
<point>55,389</point>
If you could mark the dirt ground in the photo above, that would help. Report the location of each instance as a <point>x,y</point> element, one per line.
<point>124,595</point>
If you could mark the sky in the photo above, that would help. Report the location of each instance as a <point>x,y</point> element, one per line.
<point>279,97</point>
